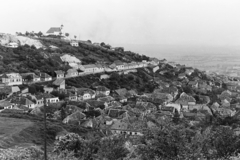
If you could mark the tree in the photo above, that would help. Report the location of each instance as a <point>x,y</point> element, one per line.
<point>39,34</point>
<point>27,33</point>
<point>112,148</point>
<point>102,44</point>
<point>166,142</point>
<point>66,34</point>
<point>32,89</point>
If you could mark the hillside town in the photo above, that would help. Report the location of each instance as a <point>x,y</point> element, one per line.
<point>119,94</point>
<point>192,95</point>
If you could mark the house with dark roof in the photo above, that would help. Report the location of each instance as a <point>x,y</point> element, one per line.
<point>54,31</point>
<point>107,99</point>
<point>94,104</point>
<point>120,92</point>
<point>72,73</point>
<point>102,90</point>
<point>114,104</point>
<point>119,64</point>
<point>30,77</point>
<point>75,118</point>
<point>85,93</point>
<point>6,105</point>
<point>59,74</point>
<point>92,68</point>
<point>185,100</point>
<point>22,101</point>
<point>59,83</point>
<point>169,109</point>
<point>74,43</point>
<point>11,79</point>
<point>49,99</point>
<point>116,113</point>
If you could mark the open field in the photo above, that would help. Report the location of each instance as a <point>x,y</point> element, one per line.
<point>10,129</point>
<point>17,129</point>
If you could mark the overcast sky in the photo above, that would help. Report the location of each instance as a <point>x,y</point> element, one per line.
<point>184,22</point>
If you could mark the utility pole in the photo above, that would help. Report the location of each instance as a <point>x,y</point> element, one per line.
<point>45,129</point>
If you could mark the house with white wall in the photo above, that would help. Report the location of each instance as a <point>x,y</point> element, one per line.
<point>59,74</point>
<point>72,73</point>
<point>74,43</point>
<point>11,79</point>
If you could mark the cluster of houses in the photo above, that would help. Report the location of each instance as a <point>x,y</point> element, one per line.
<point>12,79</point>
<point>123,111</point>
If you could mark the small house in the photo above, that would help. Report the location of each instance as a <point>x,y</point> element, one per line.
<point>45,77</point>
<point>22,101</point>
<point>59,74</point>
<point>102,90</point>
<point>11,79</point>
<point>104,76</point>
<point>59,83</point>
<point>85,94</point>
<point>6,105</point>
<point>74,43</point>
<point>72,73</point>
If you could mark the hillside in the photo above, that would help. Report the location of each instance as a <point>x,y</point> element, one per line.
<point>21,40</point>
<point>28,58</point>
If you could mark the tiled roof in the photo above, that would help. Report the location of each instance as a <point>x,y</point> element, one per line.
<point>22,101</point>
<point>54,29</point>
<point>41,96</point>
<point>82,91</point>
<point>3,76</point>
<point>44,75</point>
<point>102,88</point>
<point>59,72</point>
<point>72,71</point>
<point>58,82</point>
<point>5,103</point>
<point>121,91</point>
<point>95,103</point>
<point>89,66</point>
<point>132,92</point>
<point>106,99</point>
<point>118,62</point>
<point>115,113</point>
<point>76,116</point>
<point>184,99</point>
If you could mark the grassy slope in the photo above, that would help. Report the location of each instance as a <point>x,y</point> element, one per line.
<point>26,130</point>
<point>29,59</point>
